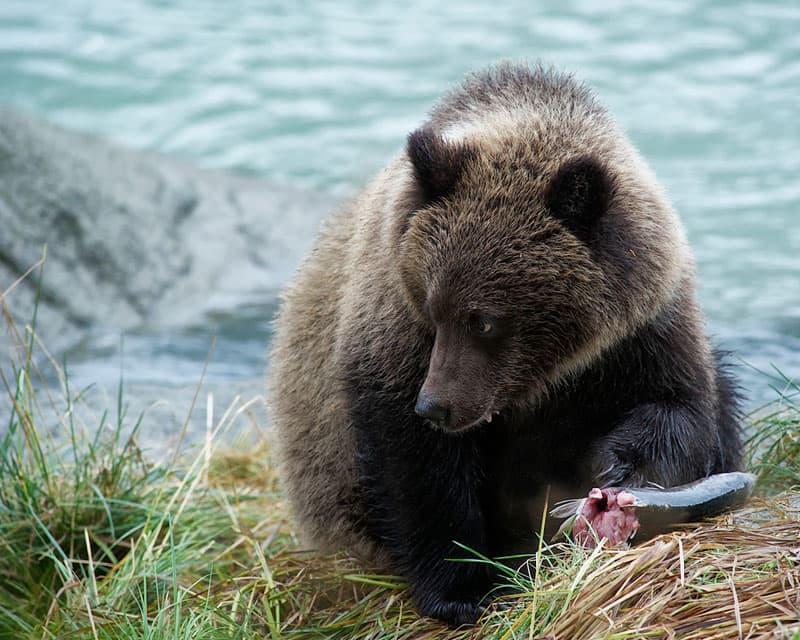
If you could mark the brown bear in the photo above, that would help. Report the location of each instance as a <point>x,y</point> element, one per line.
<point>507,311</point>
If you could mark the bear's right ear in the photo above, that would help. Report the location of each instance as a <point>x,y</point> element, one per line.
<point>437,164</point>
<point>580,194</point>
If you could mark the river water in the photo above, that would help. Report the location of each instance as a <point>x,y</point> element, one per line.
<point>319,95</point>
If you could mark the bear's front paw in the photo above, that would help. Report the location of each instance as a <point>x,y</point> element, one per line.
<point>453,612</point>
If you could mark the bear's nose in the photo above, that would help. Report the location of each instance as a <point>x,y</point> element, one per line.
<point>433,410</point>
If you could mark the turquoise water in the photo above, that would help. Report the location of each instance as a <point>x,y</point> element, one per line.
<point>319,95</point>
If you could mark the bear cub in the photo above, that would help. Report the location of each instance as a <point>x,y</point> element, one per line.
<point>506,314</point>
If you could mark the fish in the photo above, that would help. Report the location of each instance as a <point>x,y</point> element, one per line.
<point>619,513</point>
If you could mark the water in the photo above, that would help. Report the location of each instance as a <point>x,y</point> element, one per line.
<point>319,98</point>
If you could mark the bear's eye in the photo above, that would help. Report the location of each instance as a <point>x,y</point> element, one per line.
<point>482,326</point>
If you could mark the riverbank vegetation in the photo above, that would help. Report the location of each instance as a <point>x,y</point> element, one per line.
<point>99,541</point>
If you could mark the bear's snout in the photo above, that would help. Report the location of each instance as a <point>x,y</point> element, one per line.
<point>433,409</point>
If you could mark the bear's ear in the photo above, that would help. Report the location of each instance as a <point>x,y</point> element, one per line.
<point>579,195</point>
<point>437,164</point>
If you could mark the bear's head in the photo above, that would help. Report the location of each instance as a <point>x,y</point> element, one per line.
<point>526,261</point>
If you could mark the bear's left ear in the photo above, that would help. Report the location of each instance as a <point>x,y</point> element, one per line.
<point>579,195</point>
<point>438,164</point>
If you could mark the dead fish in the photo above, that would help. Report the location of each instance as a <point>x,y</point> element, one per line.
<point>618,513</point>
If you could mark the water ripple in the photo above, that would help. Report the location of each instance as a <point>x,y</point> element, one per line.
<point>321,97</point>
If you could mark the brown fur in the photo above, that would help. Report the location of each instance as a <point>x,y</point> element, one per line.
<point>469,220</point>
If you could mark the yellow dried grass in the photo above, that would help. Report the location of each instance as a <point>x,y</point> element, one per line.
<point>736,578</point>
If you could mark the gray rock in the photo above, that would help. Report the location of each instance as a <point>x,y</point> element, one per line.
<point>134,239</point>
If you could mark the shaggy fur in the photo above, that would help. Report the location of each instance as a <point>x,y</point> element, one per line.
<point>507,309</point>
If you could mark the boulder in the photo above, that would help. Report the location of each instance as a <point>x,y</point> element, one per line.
<point>133,238</point>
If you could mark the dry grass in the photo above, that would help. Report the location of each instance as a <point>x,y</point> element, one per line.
<point>735,577</point>
<point>725,580</point>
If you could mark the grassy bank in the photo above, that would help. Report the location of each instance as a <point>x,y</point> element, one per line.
<point>97,541</point>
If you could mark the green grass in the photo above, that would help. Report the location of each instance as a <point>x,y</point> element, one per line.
<point>774,446</point>
<point>97,541</point>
